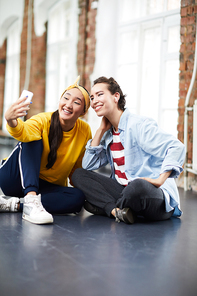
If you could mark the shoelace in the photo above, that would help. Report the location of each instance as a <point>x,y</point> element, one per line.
<point>38,204</point>
<point>117,218</point>
<point>5,206</point>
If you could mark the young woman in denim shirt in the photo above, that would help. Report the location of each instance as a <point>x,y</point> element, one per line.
<point>144,161</point>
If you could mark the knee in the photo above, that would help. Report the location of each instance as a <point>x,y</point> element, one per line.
<point>79,195</point>
<point>33,147</point>
<point>79,199</point>
<point>139,185</point>
<point>33,144</point>
<point>135,193</point>
<point>138,182</point>
<point>76,176</point>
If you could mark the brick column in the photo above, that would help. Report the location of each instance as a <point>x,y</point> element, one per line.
<point>87,41</point>
<point>2,79</point>
<point>38,64</point>
<point>187,52</point>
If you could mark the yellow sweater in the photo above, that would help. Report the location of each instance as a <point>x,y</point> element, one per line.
<point>70,152</point>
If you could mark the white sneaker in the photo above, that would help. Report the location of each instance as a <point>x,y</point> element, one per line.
<point>34,212</point>
<point>8,204</point>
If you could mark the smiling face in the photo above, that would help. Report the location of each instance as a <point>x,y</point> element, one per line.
<point>71,106</point>
<point>102,101</point>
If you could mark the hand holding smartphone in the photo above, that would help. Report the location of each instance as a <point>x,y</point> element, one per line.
<point>28,94</point>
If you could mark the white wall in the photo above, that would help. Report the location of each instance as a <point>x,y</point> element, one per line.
<point>10,11</point>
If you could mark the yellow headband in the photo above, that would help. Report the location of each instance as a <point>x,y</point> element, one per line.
<point>84,93</point>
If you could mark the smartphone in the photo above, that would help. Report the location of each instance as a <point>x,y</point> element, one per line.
<point>27,93</point>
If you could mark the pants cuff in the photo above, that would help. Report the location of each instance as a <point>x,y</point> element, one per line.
<point>31,188</point>
<point>109,207</point>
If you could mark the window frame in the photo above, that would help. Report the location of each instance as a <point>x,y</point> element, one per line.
<point>165,20</point>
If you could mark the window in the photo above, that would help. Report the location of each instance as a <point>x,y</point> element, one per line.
<point>61,51</point>
<point>138,44</point>
<point>148,58</point>
<point>12,71</point>
<point>135,9</point>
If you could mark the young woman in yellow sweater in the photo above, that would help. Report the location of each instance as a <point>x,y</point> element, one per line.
<point>51,147</point>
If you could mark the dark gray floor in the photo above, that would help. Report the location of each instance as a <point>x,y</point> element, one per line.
<point>91,255</point>
<point>94,256</point>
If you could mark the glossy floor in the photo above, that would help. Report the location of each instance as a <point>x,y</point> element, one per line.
<point>92,255</point>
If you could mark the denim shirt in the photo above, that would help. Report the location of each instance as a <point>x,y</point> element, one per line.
<point>149,152</point>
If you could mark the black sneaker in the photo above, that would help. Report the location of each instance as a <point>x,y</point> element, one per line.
<point>126,215</point>
<point>94,209</point>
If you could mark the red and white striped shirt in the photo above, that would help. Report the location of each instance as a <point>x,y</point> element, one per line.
<point>117,151</point>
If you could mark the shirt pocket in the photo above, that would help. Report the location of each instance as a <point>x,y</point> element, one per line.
<point>133,159</point>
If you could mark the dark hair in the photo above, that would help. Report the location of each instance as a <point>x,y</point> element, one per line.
<point>85,89</point>
<point>56,135</point>
<point>113,87</point>
<point>85,107</point>
<point>55,138</point>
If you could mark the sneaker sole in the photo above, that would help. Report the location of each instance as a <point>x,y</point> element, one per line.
<point>130,218</point>
<point>44,221</point>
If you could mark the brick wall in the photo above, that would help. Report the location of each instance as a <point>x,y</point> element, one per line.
<point>187,52</point>
<point>2,78</point>
<point>87,41</point>
<point>38,64</point>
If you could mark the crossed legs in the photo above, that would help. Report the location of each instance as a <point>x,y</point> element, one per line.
<point>143,198</point>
